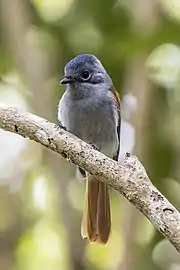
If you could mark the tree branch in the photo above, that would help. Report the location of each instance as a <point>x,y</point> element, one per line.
<point>128,177</point>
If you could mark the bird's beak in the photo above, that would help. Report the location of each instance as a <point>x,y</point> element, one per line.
<point>67,79</point>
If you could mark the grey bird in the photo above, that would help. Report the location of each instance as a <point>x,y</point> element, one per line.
<point>90,109</point>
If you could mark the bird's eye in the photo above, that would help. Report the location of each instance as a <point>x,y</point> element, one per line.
<point>85,74</point>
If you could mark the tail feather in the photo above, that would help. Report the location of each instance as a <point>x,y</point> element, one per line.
<point>96,222</point>
<point>103,217</point>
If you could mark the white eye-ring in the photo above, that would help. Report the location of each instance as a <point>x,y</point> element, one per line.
<point>85,75</point>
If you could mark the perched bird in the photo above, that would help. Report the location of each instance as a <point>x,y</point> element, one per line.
<point>90,109</point>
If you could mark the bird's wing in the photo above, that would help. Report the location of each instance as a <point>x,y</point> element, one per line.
<point>117,102</point>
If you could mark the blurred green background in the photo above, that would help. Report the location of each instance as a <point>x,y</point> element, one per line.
<point>40,201</point>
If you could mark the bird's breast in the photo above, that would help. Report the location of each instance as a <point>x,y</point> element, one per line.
<point>92,120</point>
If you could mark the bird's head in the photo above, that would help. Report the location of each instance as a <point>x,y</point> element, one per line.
<point>85,73</point>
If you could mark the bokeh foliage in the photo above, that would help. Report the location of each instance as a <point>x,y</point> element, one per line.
<point>41,203</point>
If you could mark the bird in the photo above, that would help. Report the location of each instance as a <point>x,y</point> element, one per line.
<point>90,109</point>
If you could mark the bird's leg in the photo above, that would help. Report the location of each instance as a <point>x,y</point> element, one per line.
<point>94,146</point>
<point>60,126</point>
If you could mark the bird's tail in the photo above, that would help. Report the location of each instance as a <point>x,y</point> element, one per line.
<point>96,222</point>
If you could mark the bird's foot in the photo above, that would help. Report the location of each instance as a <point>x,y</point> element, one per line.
<point>60,126</point>
<point>94,146</point>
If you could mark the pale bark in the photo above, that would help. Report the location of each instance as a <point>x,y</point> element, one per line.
<point>129,177</point>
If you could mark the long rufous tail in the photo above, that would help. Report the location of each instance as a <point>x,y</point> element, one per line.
<point>96,222</point>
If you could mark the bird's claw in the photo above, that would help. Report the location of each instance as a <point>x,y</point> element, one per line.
<point>94,146</point>
<point>60,126</point>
